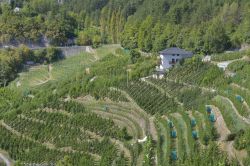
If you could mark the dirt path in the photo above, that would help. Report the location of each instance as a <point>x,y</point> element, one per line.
<point>151,127</point>
<point>92,51</point>
<point>235,110</point>
<point>240,87</point>
<point>120,121</point>
<point>193,86</point>
<point>220,124</point>
<point>50,77</point>
<point>227,146</point>
<point>50,110</point>
<point>118,110</point>
<point>5,160</point>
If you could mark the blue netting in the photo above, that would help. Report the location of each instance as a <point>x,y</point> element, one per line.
<point>193,123</point>
<point>209,109</point>
<point>239,98</point>
<point>173,134</point>
<point>212,118</point>
<point>170,124</point>
<point>195,134</point>
<point>174,155</point>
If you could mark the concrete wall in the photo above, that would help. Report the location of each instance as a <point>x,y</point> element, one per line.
<point>74,50</point>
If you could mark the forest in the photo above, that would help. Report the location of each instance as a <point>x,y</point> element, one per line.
<point>198,25</point>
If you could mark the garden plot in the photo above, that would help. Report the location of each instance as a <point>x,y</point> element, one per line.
<point>224,132</point>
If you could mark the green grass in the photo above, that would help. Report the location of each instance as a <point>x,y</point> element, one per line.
<point>228,56</point>
<point>164,141</point>
<point>203,124</point>
<point>183,144</point>
<point>242,109</point>
<point>36,76</point>
<point>233,121</point>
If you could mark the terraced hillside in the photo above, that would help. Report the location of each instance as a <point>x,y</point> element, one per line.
<point>102,108</point>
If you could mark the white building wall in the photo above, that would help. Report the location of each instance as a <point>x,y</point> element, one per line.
<point>166,60</point>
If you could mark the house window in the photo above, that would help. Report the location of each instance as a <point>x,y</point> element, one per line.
<point>178,54</point>
<point>173,60</point>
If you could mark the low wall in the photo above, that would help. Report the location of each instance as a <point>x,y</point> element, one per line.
<point>74,50</point>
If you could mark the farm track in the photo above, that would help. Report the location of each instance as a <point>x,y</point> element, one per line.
<point>193,86</point>
<point>130,114</point>
<point>123,106</point>
<point>225,145</point>
<point>151,127</point>
<point>5,160</point>
<point>120,120</point>
<point>240,87</point>
<point>235,110</point>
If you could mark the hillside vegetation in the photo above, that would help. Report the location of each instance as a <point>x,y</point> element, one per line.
<point>106,106</point>
<point>199,25</point>
<point>105,111</point>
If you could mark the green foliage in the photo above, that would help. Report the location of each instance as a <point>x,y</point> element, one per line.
<point>188,97</point>
<point>147,25</point>
<point>210,156</point>
<point>66,161</point>
<point>242,141</point>
<point>216,39</point>
<point>134,56</point>
<point>228,56</point>
<point>90,36</point>
<point>237,66</point>
<point>12,60</point>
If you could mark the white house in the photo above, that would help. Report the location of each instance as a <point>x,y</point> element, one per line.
<point>171,56</point>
